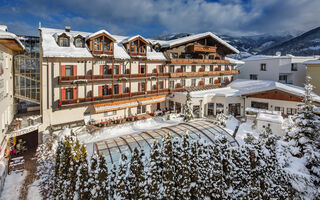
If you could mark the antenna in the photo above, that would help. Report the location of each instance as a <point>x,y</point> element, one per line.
<point>39,26</point>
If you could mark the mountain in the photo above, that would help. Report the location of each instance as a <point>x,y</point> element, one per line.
<point>307,44</point>
<point>247,45</point>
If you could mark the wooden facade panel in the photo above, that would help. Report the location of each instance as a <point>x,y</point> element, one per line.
<point>275,95</point>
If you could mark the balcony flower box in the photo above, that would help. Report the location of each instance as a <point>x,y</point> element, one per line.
<point>227,68</point>
<point>201,69</point>
<point>155,70</point>
<point>217,69</point>
<point>216,81</point>
<point>178,85</point>
<point>227,80</point>
<point>123,79</point>
<point>179,70</point>
<point>201,83</point>
<point>80,81</point>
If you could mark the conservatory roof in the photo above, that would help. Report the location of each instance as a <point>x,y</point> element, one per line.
<point>197,129</point>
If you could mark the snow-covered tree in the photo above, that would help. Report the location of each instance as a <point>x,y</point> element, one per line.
<point>136,176</point>
<point>154,182</point>
<point>112,181</point>
<point>222,119</point>
<point>304,133</point>
<point>168,169</point>
<point>122,189</point>
<point>82,186</point>
<point>101,179</point>
<point>188,113</point>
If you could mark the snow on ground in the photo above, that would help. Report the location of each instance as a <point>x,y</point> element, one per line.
<point>34,191</point>
<point>11,190</point>
<point>244,129</point>
<point>231,124</point>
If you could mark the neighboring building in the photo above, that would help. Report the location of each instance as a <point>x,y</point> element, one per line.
<point>100,76</point>
<point>313,70</point>
<point>242,94</point>
<point>285,69</point>
<point>9,47</point>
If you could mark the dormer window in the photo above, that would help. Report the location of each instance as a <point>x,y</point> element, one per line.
<point>79,41</point>
<point>63,42</point>
<point>97,44</point>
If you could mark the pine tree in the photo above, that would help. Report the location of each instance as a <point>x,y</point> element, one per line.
<point>304,133</point>
<point>154,172</point>
<point>188,113</point>
<point>122,189</point>
<point>82,186</point>
<point>136,176</point>
<point>112,181</point>
<point>101,179</point>
<point>222,119</point>
<point>93,175</point>
<point>168,169</point>
<point>57,179</point>
<point>194,175</point>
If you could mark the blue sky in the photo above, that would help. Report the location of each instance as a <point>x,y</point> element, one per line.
<point>152,17</point>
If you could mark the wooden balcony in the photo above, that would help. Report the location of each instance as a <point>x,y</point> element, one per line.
<point>107,77</point>
<point>112,97</point>
<point>135,54</point>
<point>201,48</point>
<point>200,74</point>
<point>197,61</point>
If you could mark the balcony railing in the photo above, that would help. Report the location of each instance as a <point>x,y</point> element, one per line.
<point>198,61</point>
<point>90,78</point>
<point>208,73</point>
<point>201,48</point>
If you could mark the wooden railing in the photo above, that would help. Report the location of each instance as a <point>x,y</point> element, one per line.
<point>209,73</point>
<point>198,61</point>
<point>201,48</point>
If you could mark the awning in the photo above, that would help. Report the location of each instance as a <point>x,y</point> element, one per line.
<point>24,131</point>
<point>118,105</point>
<point>151,100</point>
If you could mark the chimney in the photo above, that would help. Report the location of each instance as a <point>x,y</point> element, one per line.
<point>67,28</point>
<point>278,53</point>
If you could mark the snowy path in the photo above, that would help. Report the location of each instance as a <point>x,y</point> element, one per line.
<point>12,186</point>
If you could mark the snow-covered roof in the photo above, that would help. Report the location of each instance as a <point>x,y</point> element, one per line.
<point>312,62</point>
<point>170,43</point>
<point>52,49</point>
<point>9,36</point>
<point>243,87</point>
<point>294,59</point>
<point>234,61</point>
<point>134,37</point>
<point>270,118</point>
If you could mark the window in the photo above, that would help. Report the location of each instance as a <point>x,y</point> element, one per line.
<point>171,68</point>
<point>78,42</point>
<point>193,68</point>
<point>69,93</point>
<point>211,68</point>
<point>219,108</point>
<point>183,83</point>
<point>97,44</point>
<point>174,55</point>
<point>283,78</point>
<point>63,42</point>
<point>263,67</point>
<point>69,70</point>
<point>161,67</point>
<point>171,84</point>
<point>210,108</point>
<point>116,69</point>
<point>110,113</point>
<point>291,111</point>
<point>211,80</point>
<point>193,82</point>
<point>107,46</point>
<point>105,90</point>
<point>183,68</point>
<point>277,108</point>
<point>142,69</point>
<point>294,67</point>
<point>261,105</point>
<point>253,77</point>
<point>116,89</point>
<point>160,85</point>
<point>141,109</point>
<point>106,70</point>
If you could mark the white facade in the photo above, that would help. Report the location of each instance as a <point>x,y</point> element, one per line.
<point>273,121</point>
<point>285,69</point>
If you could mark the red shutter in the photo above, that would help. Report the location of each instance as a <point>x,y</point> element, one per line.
<point>75,71</point>
<point>139,69</point>
<point>158,68</point>
<point>110,89</point>
<point>120,88</point>
<point>110,69</point>
<point>119,69</point>
<point>101,69</point>
<point>63,94</point>
<point>75,94</point>
<point>164,68</point>
<point>139,87</point>
<point>100,90</point>
<point>162,84</point>
<point>63,70</point>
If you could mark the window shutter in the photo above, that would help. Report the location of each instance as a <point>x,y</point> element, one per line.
<point>162,84</point>
<point>139,69</point>
<point>164,68</point>
<point>139,87</point>
<point>119,69</point>
<point>101,69</point>
<point>120,88</point>
<point>110,69</point>
<point>110,89</point>
<point>100,90</point>
<point>75,94</point>
<point>158,68</point>
<point>63,94</point>
<point>75,70</point>
<point>63,70</point>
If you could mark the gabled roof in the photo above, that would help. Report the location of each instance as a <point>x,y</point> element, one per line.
<point>133,38</point>
<point>190,38</point>
<point>101,32</point>
<point>10,36</point>
<point>242,87</point>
